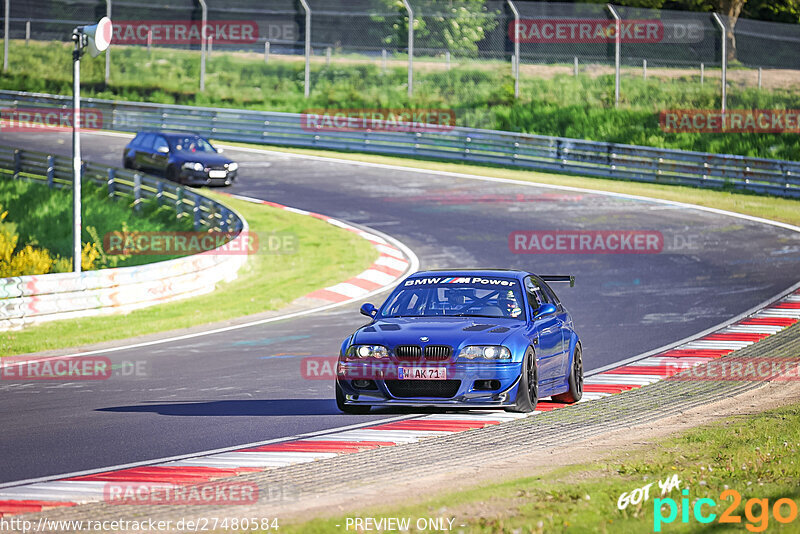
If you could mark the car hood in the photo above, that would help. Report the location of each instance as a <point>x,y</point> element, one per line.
<point>454,331</point>
<point>206,158</point>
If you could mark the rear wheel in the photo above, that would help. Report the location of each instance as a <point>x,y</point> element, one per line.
<point>347,408</point>
<point>528,390</point>
<point>575,380</point>
<point>128,163</point>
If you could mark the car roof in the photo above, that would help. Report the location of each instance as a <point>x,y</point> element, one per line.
<point>506,273</point>
<point>170,133</point>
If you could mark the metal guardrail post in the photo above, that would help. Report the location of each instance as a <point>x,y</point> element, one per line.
<point>5,35</point>
<point>51,170</point>
<point>266,51</point>
<point>17,163</point>
<point>724,44</point>
<point>160,193</point>
<point>204,17</point>
<point>307,84</point>
<point>111,178</point>
<point>410,12</point>
<point>108,50</point>
<point>179,202</point>
<point>617,42</point>
<point>27,32</point>
<point>516,47</point>
<point>137,191</point>
<point>196,212</point>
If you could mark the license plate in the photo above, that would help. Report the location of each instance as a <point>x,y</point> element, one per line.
<point>217,174</point>
<point>422,373</point>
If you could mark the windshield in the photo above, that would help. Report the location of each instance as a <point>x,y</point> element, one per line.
<point>468,296</point>
<point>192,143</point>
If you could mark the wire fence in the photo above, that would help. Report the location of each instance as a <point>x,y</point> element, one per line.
<point>464,41</point>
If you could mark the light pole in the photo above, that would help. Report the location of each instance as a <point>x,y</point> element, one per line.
<point>96,38</point>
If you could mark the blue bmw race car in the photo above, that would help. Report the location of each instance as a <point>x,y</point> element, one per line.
<point>463,339</point>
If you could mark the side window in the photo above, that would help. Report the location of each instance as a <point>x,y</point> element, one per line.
<point>550,293</point>
<point>146,141</point>
<point>536,294</point>
<point>160,143</point>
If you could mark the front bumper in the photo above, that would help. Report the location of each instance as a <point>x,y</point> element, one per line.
<point>469,392</point>
<point>192,177</point>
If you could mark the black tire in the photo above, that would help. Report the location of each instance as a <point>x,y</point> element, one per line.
<point>346,408</point>
<point>127,163</point>
<point>528,390</point>
<point>575,391</point>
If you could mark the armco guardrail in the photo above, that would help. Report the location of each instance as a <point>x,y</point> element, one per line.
<point>33,299</point>
<point>538,152</point>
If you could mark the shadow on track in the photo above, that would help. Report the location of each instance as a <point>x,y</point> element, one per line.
<point>271,407</point>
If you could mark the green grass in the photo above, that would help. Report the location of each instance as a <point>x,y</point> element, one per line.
<point>777,209</point>
<point>754,455</point>
<point>43,218</point>
<point>481,95</point>
<point>325,255</point>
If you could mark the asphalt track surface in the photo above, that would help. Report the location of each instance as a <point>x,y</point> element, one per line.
<point>245,385</point>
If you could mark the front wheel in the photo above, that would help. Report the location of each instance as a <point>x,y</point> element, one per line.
<point>575,391</point>
<point>347,408</point>
<point>172,175</point>
<point>528,390</point>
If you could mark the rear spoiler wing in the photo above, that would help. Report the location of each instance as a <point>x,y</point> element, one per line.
<point>559,278</point>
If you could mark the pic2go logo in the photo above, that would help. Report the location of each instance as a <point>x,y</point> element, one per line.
<point>757,511</point>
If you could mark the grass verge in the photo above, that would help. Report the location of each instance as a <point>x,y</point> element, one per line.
<point>584,498</point>
<point>481,93</point>
<point>325,255</point>
<point>774,208</point>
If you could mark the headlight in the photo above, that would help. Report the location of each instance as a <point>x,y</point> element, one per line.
<point>360,352</point>
<point>233,166</point>
<point>193,166</point>
<point>485,352</point>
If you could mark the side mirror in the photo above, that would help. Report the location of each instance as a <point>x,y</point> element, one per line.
<point>545,309</point>
<point>163,150</point>
<point>369,310</point>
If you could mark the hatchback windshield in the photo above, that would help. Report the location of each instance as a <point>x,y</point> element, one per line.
<point>468,296</point>
<point>192,144</point>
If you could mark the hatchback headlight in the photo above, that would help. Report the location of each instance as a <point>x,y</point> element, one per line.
<point>193,166</point>
<point>490,353</point>
<point>360,352</point>
<point>233,166</point>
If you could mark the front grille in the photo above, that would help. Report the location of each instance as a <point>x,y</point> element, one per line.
<point>408,352</point>
<point>443,389</point>
<point>438,352</point>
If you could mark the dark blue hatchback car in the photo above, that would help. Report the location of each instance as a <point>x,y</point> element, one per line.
<point>182,157</point>
<point>463,339</point>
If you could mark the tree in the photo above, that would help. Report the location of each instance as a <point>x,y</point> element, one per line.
<point>457,25</point>
<point>731,9</point>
